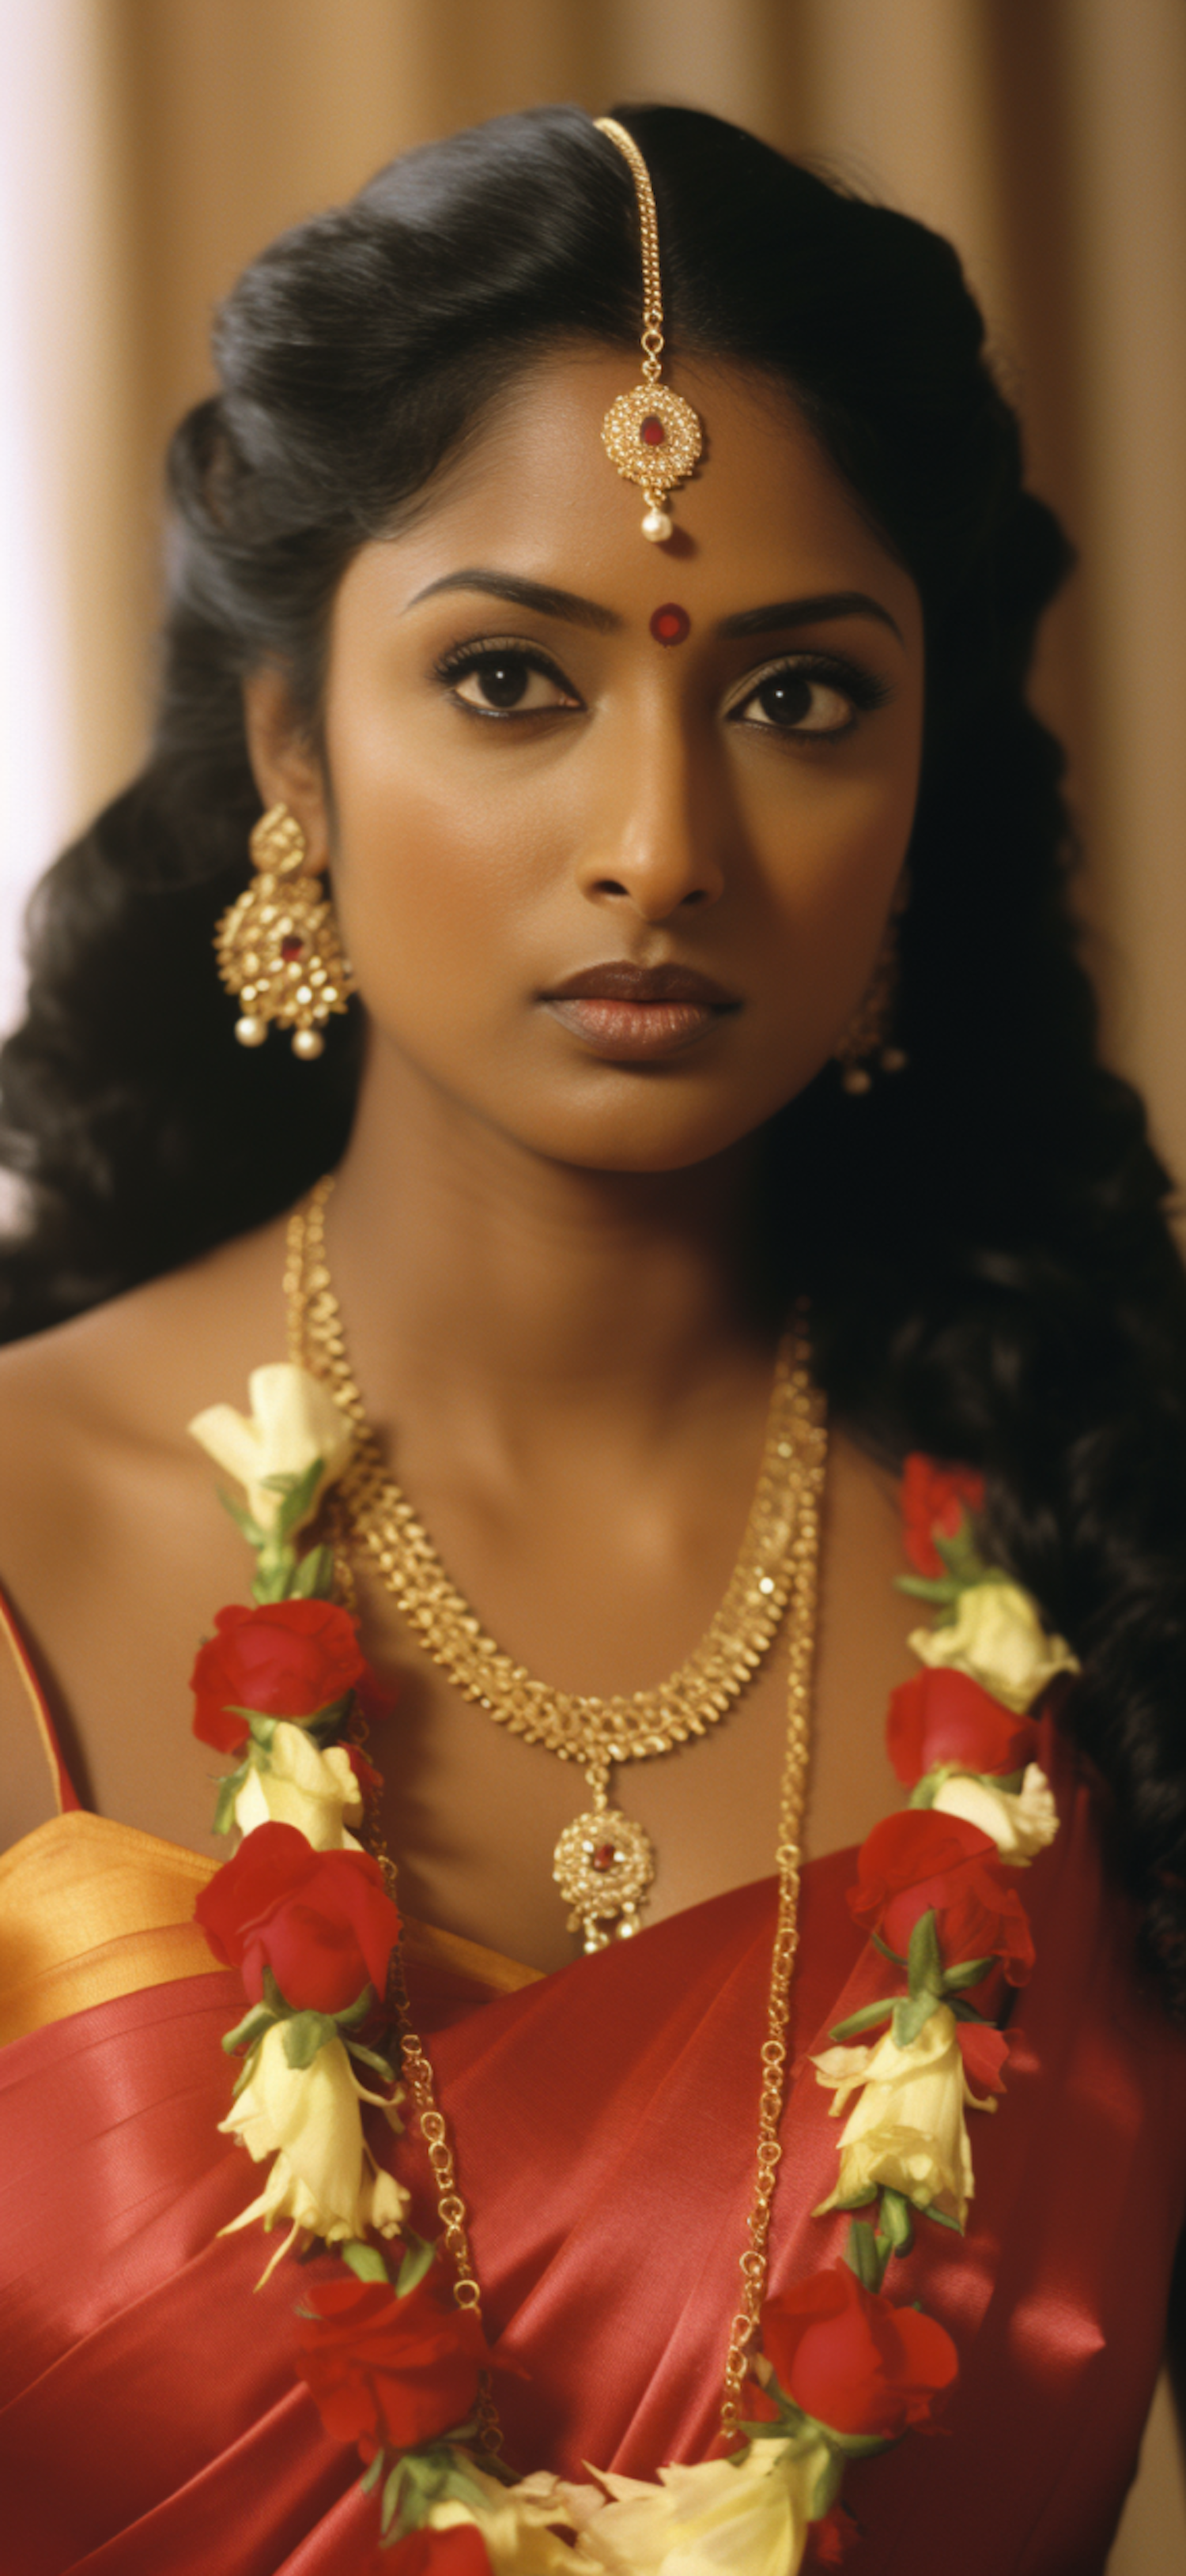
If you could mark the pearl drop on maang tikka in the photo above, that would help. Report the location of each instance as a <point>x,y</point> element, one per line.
<point>651,434</point>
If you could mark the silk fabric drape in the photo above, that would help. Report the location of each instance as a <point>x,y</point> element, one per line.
<point>604,2121</point>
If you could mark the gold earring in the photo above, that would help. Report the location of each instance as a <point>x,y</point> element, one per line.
<point>867,1046</point>
<point>278,946</point>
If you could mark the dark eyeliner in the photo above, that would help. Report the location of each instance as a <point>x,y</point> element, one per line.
<point>852,680</point>
<point>460,659</point>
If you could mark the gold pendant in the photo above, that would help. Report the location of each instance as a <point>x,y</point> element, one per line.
<point>603,1865</point>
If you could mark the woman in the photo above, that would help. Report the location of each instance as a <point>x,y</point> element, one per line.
<point>652,861</point>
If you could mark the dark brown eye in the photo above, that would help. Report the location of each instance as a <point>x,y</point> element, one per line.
<point>502,682</point>
<point>794,702</point>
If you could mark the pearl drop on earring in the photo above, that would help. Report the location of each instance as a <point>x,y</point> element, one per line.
<point>251,1032</point>
<point>656,526</point>
<point>308,1044</point>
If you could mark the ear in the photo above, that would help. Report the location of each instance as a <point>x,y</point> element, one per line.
<point>285,763</point>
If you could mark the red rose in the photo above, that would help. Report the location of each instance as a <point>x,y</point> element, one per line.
<point>852,2359</point>
<point>919,1860</point>
<point>321,1921</point>
<point>389,2372</point>
<point>460,2551</point>
<point>288,1659</point>
<point>944,1716</point>
<point>984,2052</point>
<point>934,1499</point>
<point>829,2539</point>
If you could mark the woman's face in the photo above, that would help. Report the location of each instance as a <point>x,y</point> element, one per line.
<point>534,800</point>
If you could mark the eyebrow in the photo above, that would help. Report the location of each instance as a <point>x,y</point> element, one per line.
<point>807,612</point>
<point>568,605</point>
<point>565,604</point>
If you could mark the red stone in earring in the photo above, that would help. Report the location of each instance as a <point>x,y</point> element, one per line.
<point>671,624</point>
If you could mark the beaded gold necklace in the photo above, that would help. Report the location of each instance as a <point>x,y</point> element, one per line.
<point>604,1861</point>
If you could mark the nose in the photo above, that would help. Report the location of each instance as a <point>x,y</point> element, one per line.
<point>658,848</point>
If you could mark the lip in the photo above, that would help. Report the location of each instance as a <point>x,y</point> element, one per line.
<point>635,1014</point>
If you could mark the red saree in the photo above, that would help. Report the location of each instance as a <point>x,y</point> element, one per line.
<point>604,2120</point>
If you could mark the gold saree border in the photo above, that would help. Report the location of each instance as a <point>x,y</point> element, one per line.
<point>91,1910</point>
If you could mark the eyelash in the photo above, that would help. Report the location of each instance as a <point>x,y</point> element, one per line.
<point>461,659</point>
<point>850,679</point>
<point>832,671</point>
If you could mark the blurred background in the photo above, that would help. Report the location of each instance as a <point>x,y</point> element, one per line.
<point>149,147</point>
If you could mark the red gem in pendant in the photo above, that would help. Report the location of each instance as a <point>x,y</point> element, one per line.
<point>652,431</point>
<point>604,1856</point>
<point>292,946</point>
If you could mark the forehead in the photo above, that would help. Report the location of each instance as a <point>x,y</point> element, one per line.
<point>766,514</point>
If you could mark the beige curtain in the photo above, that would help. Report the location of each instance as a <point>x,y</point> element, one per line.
<point>1048,137</point>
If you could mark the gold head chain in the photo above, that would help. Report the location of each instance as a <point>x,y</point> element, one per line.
<point>651,434</point>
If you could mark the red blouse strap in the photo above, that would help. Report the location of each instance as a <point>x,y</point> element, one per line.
<point>64,1790</point>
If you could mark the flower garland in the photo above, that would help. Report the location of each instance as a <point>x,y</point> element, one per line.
<point>396,2366</point>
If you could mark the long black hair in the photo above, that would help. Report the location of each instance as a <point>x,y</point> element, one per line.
<point>985,1234</point>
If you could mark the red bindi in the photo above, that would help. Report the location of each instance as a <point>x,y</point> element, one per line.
<point>670,624</point>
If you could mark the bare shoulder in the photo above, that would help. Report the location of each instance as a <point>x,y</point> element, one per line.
<point>107,1519</point>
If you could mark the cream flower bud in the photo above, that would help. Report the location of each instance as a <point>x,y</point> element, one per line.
<point>324,2179</point>
<point>293,1420</point>
<point>518,2525</point>
<point>907,2131</point>
<point>997,1638</point>
<point>295,1783</point>
<point>749,2516</point>
<point>1021,1823</point>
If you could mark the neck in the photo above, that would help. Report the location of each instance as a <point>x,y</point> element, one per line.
<point>466,1263</point>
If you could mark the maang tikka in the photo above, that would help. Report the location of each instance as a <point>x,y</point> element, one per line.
<point>278,946</point>
<point>652,435</point>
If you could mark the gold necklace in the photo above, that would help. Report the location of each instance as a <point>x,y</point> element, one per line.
<point>604,1861</point>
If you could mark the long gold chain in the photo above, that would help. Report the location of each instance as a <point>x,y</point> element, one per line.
<point>811,1447</point>
<point>604,1861</point>
<point>648,225</point>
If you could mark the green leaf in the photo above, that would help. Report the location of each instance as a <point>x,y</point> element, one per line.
<point>912,2015</point>
<point>927,1587</point>
<point>827,2486</point>
<point>246,2071</point>
<point>856,2446</point>
<point>968,1973</point>
<point>390,2506</point>
<point>228,1790</point>
<point>962,1558</point>
<point>862,2256</point>
<point>942,2219</point>
<point>864,2019</point>
<point>296,1496</point>
<point>858,2199</point>
<point>314,1576</point>
<point>305,2035</point>
<point>886,1951</point>
<point>967,2012</point>
<point>417,2261</point>
<point>371,2476</point>
<point>242,1519</point>
<point>247,2032</point>
<point>370,2057</point>
<point>896,2222</point>
<point>277,2003</point>
<point>352,2014</point>
<point>365,2261</point>
<point>926,1790</point>
<point>924,1959</point>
